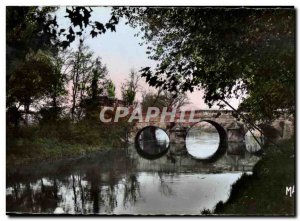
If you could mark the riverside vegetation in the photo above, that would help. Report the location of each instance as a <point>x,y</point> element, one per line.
<point>264,192</point>
<point>61,139</point>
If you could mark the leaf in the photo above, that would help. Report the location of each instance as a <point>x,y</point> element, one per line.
<point>100,27</point>
<point>93,33</point>
<point>71,31</point>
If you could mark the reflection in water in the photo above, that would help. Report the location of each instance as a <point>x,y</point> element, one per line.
<point>202,140</point>
<point>153,140</point>
<point>130,195</point>
<point>121,182</point>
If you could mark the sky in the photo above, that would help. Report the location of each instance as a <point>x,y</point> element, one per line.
<point>121,52</point>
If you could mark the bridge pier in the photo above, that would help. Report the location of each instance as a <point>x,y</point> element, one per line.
<point>235,133</point>
<point>177,140</point>
<point>236,148</point>
<point>232,132</point>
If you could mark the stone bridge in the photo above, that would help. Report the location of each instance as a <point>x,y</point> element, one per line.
<point>230,129</point>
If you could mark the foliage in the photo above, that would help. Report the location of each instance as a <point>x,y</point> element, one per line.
<point>31,81</point>
<point>33,55</point>
<point>163,99</point>
<point>96,86</point>
<point>130,87</point>
<point>264,192</point>
<point>32,61</point>
<point>79,74</point>
<point>80,18</point>
<point>98,79</point>
<point>55,90</point>
<point>111,89</point>
<point>40,79</point>
<point>128,96</point>
<point>244,53</point>
<point>63,138</point>
<point>27,29</point>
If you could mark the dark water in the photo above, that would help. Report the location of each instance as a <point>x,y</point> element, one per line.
<point>121,182</point>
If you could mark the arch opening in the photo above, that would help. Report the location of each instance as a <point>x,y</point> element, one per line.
<point>206,140</point>
<point>152,142</point>
<point>254,141</point>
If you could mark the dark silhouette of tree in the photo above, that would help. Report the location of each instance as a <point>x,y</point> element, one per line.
<point>228,52</point>
<point>31,73</point>
<point>55,90</point>
<point>80,71</point>
<point>97,87</point>
<point>28,29</point>
<point>30,81</point>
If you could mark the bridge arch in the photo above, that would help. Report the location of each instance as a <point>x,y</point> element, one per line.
<point>144,153</point>
<point>222,144</point>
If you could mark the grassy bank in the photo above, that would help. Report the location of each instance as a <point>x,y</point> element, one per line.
<point>264,193</point>
<point>59,140</point>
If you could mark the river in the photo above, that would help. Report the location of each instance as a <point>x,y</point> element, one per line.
<point>119,181</point>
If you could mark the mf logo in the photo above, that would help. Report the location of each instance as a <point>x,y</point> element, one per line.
<point>289,190</point>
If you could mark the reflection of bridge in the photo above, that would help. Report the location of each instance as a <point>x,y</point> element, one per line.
<point>236,158</point>
<point>229,128</point>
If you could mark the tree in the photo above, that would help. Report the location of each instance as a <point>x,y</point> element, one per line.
<point>98,79</point>
<point>175,102</point>
<point>130,87</point>
<point>111,89</point>
<point>80,72</point>
<point>29,81</point>
<point>28,29</point>
<point>96,86</point>
<point>163,99</point>
<point>55,90</point>
<point>228,52</point>
<point>151,99</point>
<point>29,64</point>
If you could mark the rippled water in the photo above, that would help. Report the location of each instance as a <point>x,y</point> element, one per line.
<point>121,182</point>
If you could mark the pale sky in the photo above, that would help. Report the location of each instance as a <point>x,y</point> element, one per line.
<point>120,51</point>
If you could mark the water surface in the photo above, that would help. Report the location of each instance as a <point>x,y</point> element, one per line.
<point>119,181</point>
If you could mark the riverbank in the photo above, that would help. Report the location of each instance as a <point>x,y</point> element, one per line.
<point>48,150</point>
<point>264,192</point>
<point>58,141</point>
